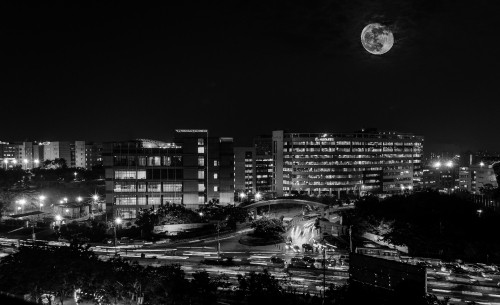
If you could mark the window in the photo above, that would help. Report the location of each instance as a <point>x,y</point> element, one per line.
<point>172,187</point>
<point>201,199</point>
<point>201,150</point>
<point>201,161</point>
<point>125,200</point>
<point>154,200</point>
<point>201,141</point>
<point>141,161</point>
<point>216,176</point>
<point>153,161</point>
<point>124,187</point>
<point>172,199</point>
<point>216,188</point>
<point>216,162</point>
<point>201,187</point>
<point>141,200</point>
<point>127,213</point>
<point>201,174</point>
<point>141,174</point>
<point>141,186</point>
<point>154,187</point>
<point>123,174</point>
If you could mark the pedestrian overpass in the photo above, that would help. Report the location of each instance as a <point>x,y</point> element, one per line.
<point>284,201</point>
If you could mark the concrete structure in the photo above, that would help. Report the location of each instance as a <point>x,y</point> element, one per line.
<point>192,170</point>
<point>336,163</point>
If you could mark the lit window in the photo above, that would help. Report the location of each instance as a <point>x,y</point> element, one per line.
<point>216,176</point>
<point>201,174</point>
<point>216,188</point>
<point>216,163</point>
<point>201,187</point>
<point>201,161</point>
<point>201,199</point>
<point>201,150</point>
<point>201,141</point>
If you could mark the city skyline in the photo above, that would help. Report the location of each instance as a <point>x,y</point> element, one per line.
<point>117,73</point>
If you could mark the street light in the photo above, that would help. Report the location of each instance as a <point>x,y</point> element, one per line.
<point>79,199</point>
<point>25,161</point>
<point>242,196</point>
<point>6,163</point>
<point>437,164</point>
<point>36,161</point>
<point>449,164</point>
<point>22,202</point>
<point>481,164</point>
<point>14,161</point>
<point>65,199</point>
<point>118,221</point>
<point>75,173</point>
<point>95,197</point>
<point>41,198</point>
<point>258,196</point>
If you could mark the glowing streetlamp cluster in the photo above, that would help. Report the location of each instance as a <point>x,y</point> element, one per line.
<point>448,164</point>
<point>24,161</point>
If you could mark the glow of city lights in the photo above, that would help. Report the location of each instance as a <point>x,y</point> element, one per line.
<point>449,164</point>
<point>67,210</point>
<point>75,173</point>
<point>65,199</point>
<point>481,164</point>
<point>25,161</point>
<point>242,195</point>
<point>60,201</point>
<point>41,204</point>
<point>42,197</point>
<point>79,199</point>
<point>22,201</point>
<point>257,196</point>
<point>5,161</point>
<point>18,208</point>
<point>437,164</point>
<point>201,214</point>
<point>95,197</point>
<point>118,220</point>
<point>14,161</point>
<point>58,217</point>
<point>36,161</point>
<point>410,187</point>
<point>402,187</point>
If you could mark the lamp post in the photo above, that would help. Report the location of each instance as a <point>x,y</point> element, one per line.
<point>36,162</point>
<point>242,196</point>
<point>22,202</point>
<point>6,162</point>
<point>25,161</point>
<point>75,173</point>
<point>41,198</point>
<point>118,221</point>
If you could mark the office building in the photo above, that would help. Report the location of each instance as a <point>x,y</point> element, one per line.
<point>192,170</point>
<point>340,163</point>
<point>244,170</point>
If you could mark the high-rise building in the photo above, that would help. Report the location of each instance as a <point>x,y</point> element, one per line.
<point>244,170</point>
<point>192,170</point>
<point>336,163</point>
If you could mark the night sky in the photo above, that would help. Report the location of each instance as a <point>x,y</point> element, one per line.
<point>240,68</point>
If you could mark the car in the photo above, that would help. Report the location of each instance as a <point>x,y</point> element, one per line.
<point>307,247</point>
<point>308,259</point>
<point>296,248</point>
<point>125,240</point>
<point>298,263</point>
<point>277,260</point>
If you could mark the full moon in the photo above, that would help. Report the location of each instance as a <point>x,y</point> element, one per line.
<point>377,39</point>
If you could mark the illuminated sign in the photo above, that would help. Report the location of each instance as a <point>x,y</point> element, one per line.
<point>191,130</point>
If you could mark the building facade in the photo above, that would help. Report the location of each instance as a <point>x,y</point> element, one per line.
<point>191,170</point>
<point>336,163</point>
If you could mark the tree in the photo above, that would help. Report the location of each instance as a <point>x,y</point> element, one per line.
<point>260,288</point>
<point>268,227</point>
